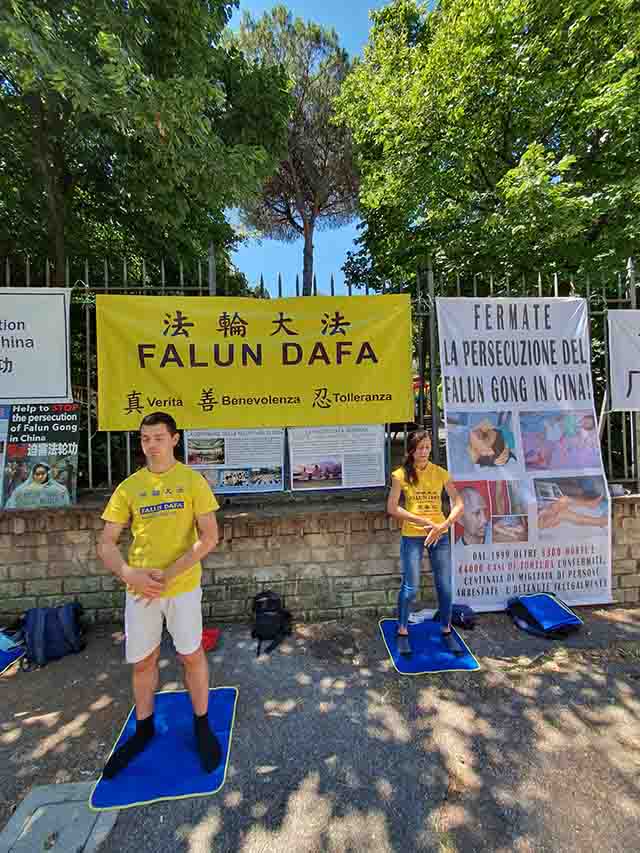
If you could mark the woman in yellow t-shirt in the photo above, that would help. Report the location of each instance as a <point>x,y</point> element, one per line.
<point>421,482</point>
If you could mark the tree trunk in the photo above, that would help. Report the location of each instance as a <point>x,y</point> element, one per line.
<point>50,164</point>
<point>56,210</point>
<point>307,268</point>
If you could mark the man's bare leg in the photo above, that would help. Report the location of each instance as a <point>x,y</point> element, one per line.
<point>145,679</point>
<point>196,676</point>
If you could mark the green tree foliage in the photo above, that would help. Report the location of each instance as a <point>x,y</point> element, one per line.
<point>128,127</point>
<point>497,134</point>
<point>315,185</point>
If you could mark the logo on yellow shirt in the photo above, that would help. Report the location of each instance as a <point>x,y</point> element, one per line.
<point>167,506</point>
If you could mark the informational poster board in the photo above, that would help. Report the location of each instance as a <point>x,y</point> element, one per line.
<point>339,457</point>
<point>40,464</point>
<point>34,345</point>
<point>238,461</point>
<point>523,449</point>
<point>624,360</point>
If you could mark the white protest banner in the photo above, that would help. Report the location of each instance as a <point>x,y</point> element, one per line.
<point>339,457</point>
<point>624,360</point>
<point>238,461</point>
<point>523,450</point>
<point>34,345</point>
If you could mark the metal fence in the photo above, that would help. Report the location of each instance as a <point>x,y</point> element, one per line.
<point>106,458</point>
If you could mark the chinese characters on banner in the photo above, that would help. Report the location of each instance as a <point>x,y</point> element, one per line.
<point>624,360</point>
<point>346,457</point>
<point>523,449</point>
<point>254,363</point>
<point>238,461</point>
<point>40,462</point>
<point>34,345</point>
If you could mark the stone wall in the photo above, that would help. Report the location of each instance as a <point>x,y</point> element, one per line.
<point>626,549</point>
<point>329,564</point>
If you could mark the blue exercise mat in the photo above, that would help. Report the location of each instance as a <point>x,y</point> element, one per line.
<point>428,654</point>
<point>9,657</point>
<point>549,611</point>
<point>169,768</point>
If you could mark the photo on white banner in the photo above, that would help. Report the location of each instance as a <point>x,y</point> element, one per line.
<point>524,452</point>
<point>238,461</point>
<point>479,442</point>
<point>341,457</point>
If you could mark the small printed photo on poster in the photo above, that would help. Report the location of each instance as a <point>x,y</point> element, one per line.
<point>32,482</point>
<point>266,476</point>
<point>206,451</point>
<point>481,441</point>
<point>495,511</point>
<point>211,476</point>
<point>570,506</point>
<point>509,528</point>
<point>317,474</point>
<point>473,527</point>
<point>235,477</point>
<point>558,440</point>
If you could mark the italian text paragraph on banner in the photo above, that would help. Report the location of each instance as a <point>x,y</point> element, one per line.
<point>523,450</point>
<point>249,363</point>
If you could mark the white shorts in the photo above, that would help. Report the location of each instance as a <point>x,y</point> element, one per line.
<point>143,624</point>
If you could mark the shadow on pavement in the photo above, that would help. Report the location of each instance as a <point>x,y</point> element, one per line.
<point>334,751</point>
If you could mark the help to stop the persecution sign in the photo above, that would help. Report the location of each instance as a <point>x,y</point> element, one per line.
<point>524,452</point>
<point>34,345</point>
<point>243,363</point>
<point>624,360</point>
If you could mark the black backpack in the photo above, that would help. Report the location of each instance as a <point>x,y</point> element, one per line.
<point>271,620</point>
<point>462,616</point>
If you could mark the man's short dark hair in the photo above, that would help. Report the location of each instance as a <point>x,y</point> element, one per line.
<point>157,418</point>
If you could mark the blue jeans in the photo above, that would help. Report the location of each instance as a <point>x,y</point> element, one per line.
<point>411,556</point>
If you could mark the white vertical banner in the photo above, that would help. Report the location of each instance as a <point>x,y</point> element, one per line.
<point>624,360</point>
<point>524,451</point>
<point>34,345</point>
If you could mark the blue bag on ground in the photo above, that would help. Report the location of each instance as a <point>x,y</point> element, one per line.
<point>52,632</point>
<point>543,615</point>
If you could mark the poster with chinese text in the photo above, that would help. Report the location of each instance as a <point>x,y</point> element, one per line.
<point>244,363</point>
<point>34,345</point>
<point>624,360</point>
<point>40,466</point>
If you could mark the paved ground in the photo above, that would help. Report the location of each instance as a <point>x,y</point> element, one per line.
<point>333,751</point>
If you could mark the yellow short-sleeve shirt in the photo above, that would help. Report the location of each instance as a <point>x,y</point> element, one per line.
<point>423,498</point>
<point>162,510</point>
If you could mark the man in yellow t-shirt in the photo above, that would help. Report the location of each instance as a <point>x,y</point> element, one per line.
<point>171,511</point>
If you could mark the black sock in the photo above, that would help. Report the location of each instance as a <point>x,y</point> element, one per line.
<point>451,644</point>
<point>145,730</point>
<point>208,746</point>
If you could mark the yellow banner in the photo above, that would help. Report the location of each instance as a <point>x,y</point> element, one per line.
<point>249,363</point>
